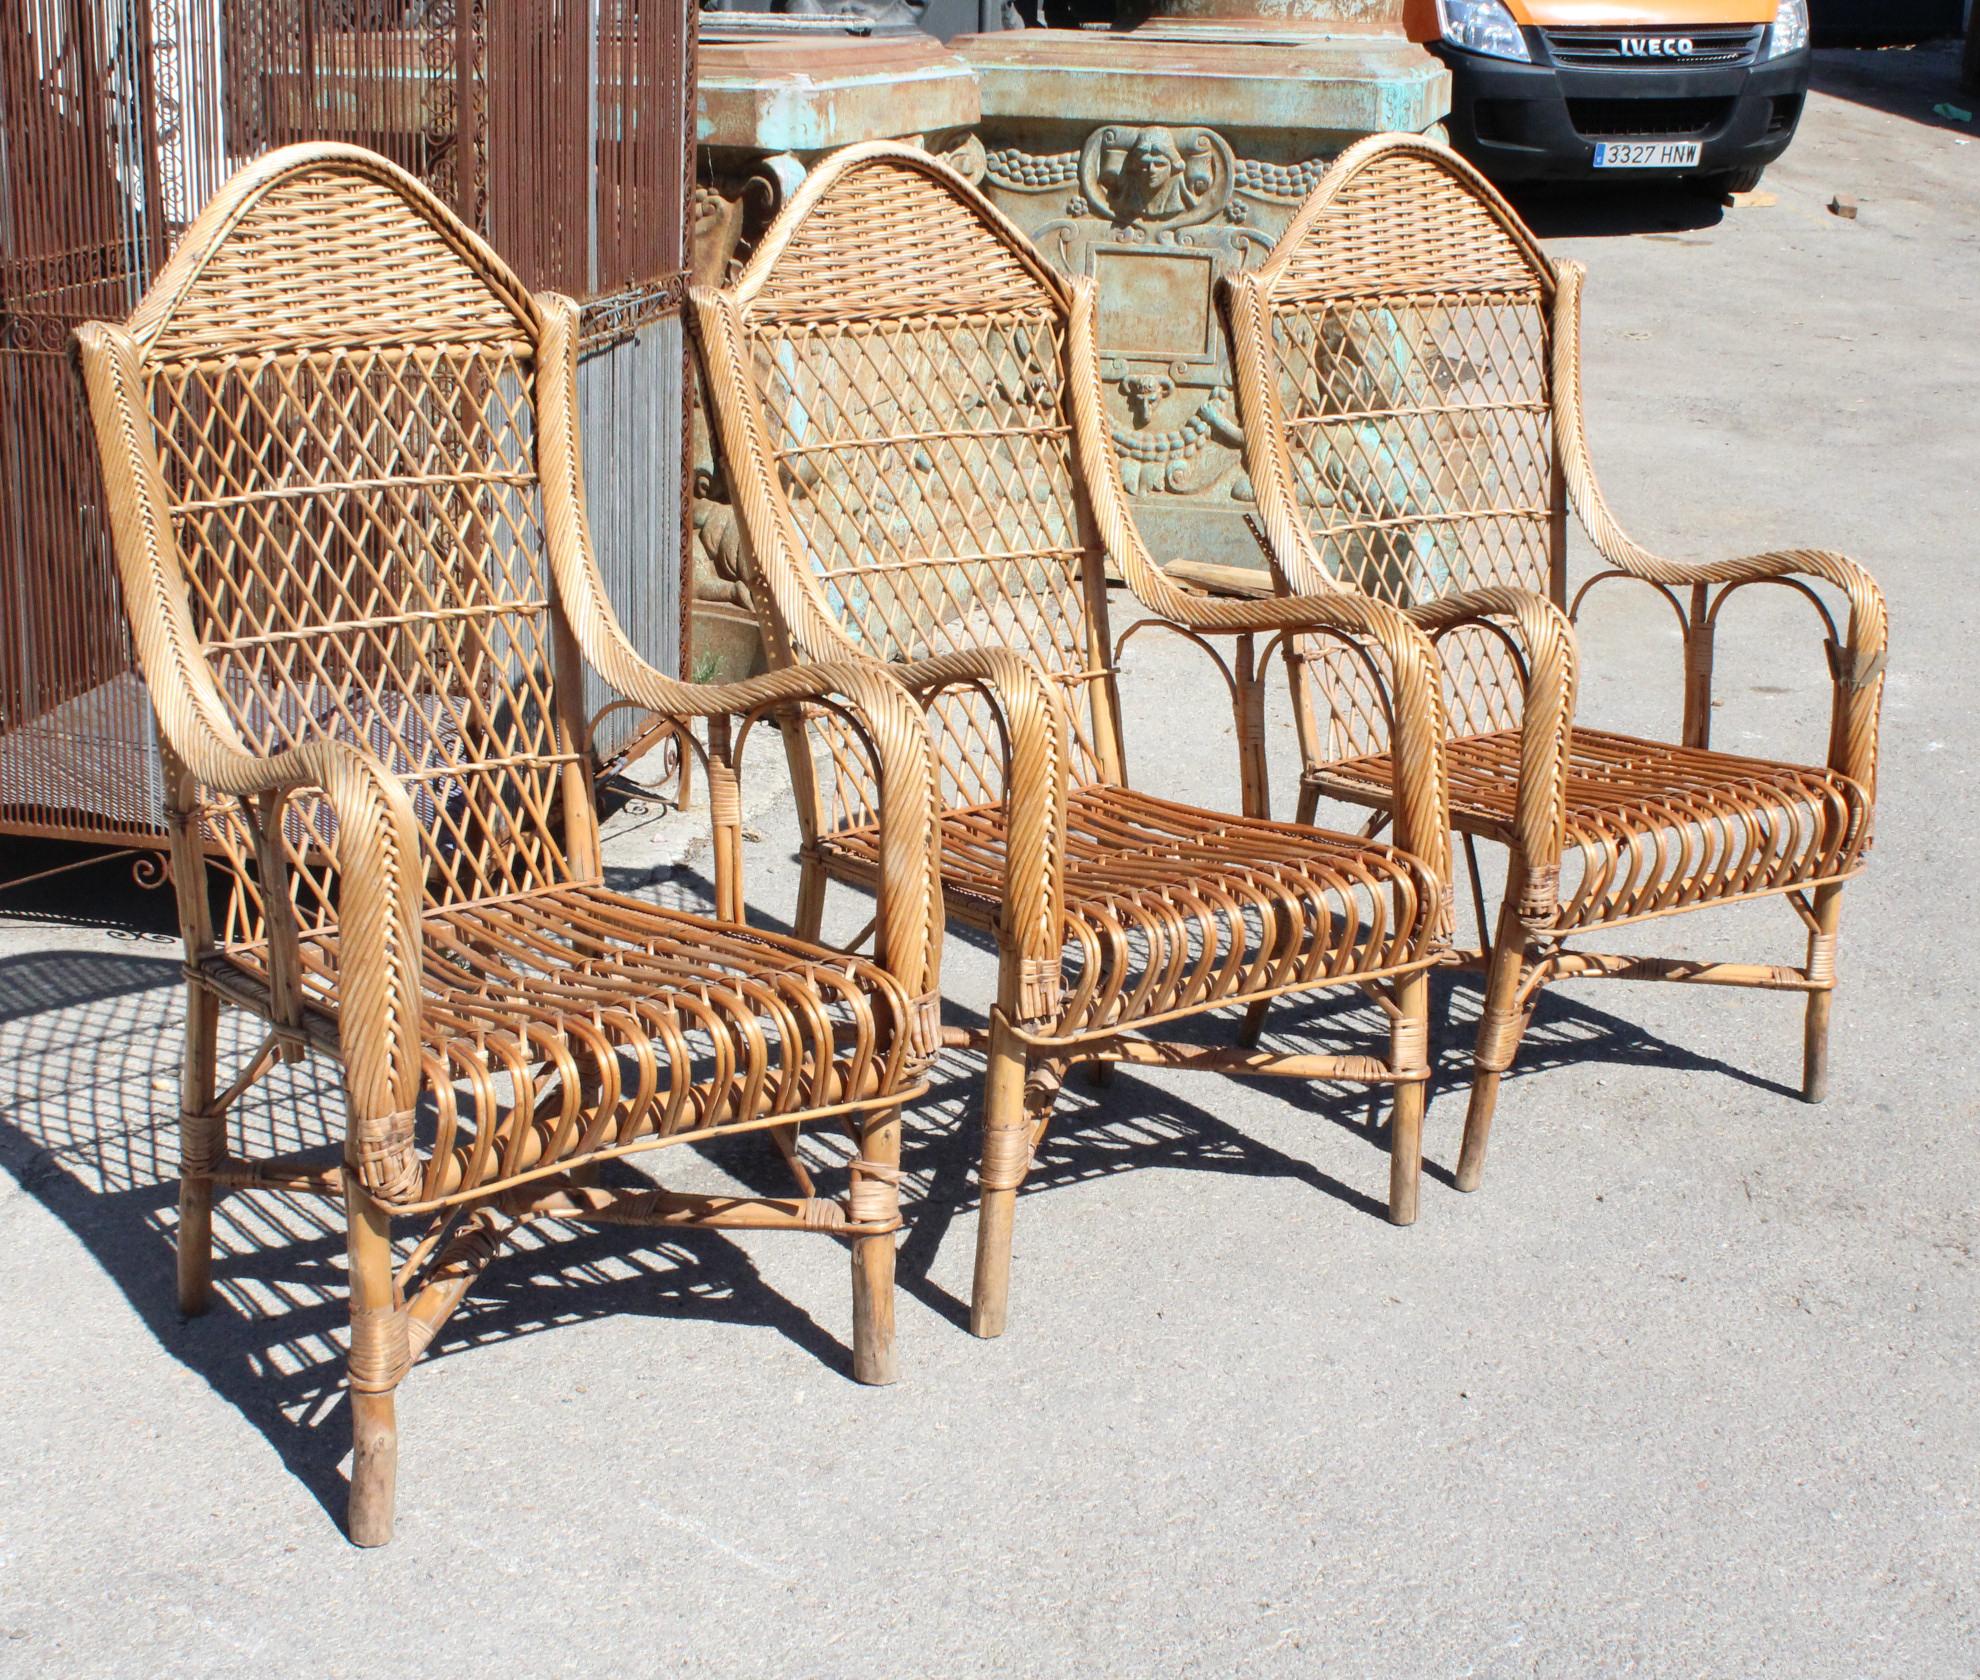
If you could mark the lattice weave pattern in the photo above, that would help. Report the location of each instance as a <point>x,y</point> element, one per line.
<point>355,606</point>
<point>924,451</point>
<point>1411,346</point>
<point>357,509</point>
<point>1408,365</point>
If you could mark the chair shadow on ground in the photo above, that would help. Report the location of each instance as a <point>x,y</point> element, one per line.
<point>1133,1123</point>
<point>90,1050</point>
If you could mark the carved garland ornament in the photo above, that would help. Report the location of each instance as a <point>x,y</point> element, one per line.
<point>1016,170</point>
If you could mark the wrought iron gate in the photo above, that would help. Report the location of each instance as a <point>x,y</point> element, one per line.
<point>560,128</point>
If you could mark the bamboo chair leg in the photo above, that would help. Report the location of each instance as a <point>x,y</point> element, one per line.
<point>1006,1154</point>
<point>876,1192</point>
<point>1309,806</point>
<point>201,1134</point>
<point>1827,906</point>
<point>1500,1029</point>
<point>810,917</point>
<point>1409,1053</point>
<point>378,1332</point>
<point>1248,708</point>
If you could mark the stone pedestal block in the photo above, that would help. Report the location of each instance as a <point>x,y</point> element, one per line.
<point>1159,157</point>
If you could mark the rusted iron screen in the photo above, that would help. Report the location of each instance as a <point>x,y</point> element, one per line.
<point>560,130</point>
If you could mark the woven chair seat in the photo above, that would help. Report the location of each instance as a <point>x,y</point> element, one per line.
<point>612,1020</point>
<point>1170,908</point>
<point>1651,821</point>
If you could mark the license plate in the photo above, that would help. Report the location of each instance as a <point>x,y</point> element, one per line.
<point>1648,154</point>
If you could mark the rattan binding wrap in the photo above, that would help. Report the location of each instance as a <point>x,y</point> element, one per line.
<point>1409,374</point>
<point>905,398</point>
<point>340,444</point>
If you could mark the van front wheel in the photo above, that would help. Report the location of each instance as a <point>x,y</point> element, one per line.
<point>1731,181</point>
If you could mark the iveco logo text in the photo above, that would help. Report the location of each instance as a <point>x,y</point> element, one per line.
<point>1658,46</point>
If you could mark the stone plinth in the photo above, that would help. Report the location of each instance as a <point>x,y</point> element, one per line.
<point>1160,157</point>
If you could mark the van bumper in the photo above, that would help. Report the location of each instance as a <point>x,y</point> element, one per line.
<point>1538,122</point>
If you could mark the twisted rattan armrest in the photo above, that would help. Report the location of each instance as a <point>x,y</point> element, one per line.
<point>1552,665</point>
<point>1422,792</point>
<point>1856,658</point>
<point>1032,712</point>
<point>1547,647</point>
<point>378,844</point>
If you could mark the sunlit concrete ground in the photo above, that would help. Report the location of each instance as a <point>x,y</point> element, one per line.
<point>1688,1389</point>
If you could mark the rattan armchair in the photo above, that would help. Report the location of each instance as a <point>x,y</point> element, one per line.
<point>1409,376</point>
<point>907,405</point>
<point>339,442</point>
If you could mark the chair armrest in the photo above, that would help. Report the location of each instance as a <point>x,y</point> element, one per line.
<point>1552,664</point>
<point>909,922</point>
<point>381,874</point>
<point>1037,731</point>
<point>1421,812</point>
<point>1856,659</point>
<point>1417,720</point>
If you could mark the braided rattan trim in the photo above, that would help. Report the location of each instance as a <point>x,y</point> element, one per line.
<point>202,1144</point>
<point>1006,1158</point>
<point>874,1201</point>
<point>313,246</point>
<point>1385,220</point>
<point>381,1349</point>
<point>1409,1041</point>
<point>858,240</point>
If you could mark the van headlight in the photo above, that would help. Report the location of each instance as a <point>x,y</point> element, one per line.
<point>1485,26</point>
<point>1790,29</point>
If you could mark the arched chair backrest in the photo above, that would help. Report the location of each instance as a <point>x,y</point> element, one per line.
<point>901,352</point>
<point>340,379</point>
<point>1406,322</point>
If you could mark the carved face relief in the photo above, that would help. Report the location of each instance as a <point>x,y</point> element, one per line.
<point>1158,176</point>
<point>1153,180</point>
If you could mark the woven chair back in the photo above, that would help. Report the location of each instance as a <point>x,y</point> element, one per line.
<point>906,363</point>
<point>340,382</point>
<point>1408,314</point>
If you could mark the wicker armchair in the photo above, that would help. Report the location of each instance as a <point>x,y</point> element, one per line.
<point>340,445</point>
<point>1409,375</point>
<point>907,404</point>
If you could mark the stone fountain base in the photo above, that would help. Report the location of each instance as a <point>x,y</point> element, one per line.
<point>1157,159</point>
